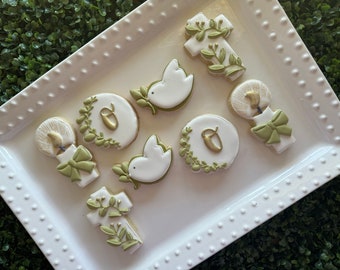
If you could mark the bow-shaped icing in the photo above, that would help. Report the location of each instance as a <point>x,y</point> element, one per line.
<point>81,161</point>
<point>270,132</point>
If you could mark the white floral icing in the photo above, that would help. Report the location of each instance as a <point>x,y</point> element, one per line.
<point>153,164</point>
<point>119,112</point>
<point>174,88</point>
<point>86,178</point>
<point>285,141</point>
<point>125,203</point>
<point>226,138</point>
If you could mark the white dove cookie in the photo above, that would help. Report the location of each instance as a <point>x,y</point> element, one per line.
<point>251,100</point>
<point>147,168</point>
<point>209,142</point>
<point>109,212</point>
<point>169,93</point>
<point>207,37</point>
<point>108,120</point>
<point>55,138</point>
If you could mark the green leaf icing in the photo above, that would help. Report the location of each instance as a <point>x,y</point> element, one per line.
<point>215,29</point>
<point>214,53</point>
<point>112,209</point>
<point>271,131</point>
<point>81,161</point>
<point>122,170</point>
<point>213,32</point>
<point>119,236</point>
<point>190,159</point>
<point>141,97</point>
<point>90,134</point>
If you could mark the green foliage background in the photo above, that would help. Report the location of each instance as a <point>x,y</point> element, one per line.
<point>37,35</point>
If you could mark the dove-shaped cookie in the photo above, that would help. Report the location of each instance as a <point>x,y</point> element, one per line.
<point>169,93</point>
<point>147,168</point>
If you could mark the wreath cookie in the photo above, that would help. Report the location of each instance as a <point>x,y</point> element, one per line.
<point>108,120</point>
<point>251,100</point>
<point>147,168</point>
<point>109,213</point>
<point>208,143</point>
<point>56,138</point>
<point>169,93</point>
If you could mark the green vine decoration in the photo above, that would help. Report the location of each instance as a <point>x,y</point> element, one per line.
<point>141,97</point>
<point>235,62</point>
<point>112,209</point>
<point>119,236</point>
<point>122,170</point>
<point>90,133</point>
<point>189,157</point>
<point>215,29</point>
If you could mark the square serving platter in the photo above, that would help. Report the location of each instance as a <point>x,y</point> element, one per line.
<point>188,216</point>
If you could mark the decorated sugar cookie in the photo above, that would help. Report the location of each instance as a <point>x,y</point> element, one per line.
<point>251,100</point>
<point>108,120</point>
<point>55,138</point>
<point>108,212</point>
<point>208,143</point>
<point>169,93</point>
<point>208,39</point>
<point>147,168</point>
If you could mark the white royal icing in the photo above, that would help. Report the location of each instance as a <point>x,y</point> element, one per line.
<point>124,114</point>
<point>194,46</point>
<point>174,88</point>
<point>86,178</point>
<point>96,220</point>
<point>153,164</point>
<point>227,134</point>
<point>285,141</point>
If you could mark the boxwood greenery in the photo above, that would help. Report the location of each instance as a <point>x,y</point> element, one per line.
<point>36,35</point>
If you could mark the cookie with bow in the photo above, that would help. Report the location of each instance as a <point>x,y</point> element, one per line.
<point>251,100</point>
<point>55,138</point>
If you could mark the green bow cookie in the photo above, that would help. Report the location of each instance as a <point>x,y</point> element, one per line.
<point>81,161</point>
<point>270,132</point>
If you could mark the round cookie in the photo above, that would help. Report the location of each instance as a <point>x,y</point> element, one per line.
<point>250,98</point>
<point>209,142</point>
<point>108,120</point>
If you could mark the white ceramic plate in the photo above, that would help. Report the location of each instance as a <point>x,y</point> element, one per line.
<point>187,217</point>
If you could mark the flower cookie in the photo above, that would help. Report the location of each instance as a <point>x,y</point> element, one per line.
<point>169,93</point>
<point>208,39</point>
<point>147,168</point>
<point>209,142</point>
<point>251,100</point>
<point>109,212</point>
<point>108,120</point>
<point>55,138</point>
